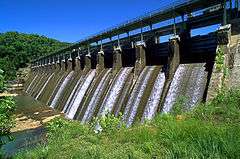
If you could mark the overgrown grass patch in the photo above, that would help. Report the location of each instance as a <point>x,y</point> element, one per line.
<point>211,130</point>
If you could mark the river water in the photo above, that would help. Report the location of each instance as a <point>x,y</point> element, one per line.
<point>29,130</point>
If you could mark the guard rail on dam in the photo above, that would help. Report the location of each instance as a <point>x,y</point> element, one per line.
<point>138,75</point>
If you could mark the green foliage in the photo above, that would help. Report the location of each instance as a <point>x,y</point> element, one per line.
<point>18,49</point>
<point>224,108</point>
<point>220,59</point>
<point>108,123</point>
<point>2,82</point>
<point>211,130</point>
<point>7,107</point>
<point>180,106</point>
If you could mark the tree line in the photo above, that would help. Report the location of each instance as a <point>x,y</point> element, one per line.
<point>18,49</point>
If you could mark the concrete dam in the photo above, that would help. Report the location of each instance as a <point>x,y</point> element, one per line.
<point>139,76</point>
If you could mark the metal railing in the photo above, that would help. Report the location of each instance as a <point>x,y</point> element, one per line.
<point>170,6</point>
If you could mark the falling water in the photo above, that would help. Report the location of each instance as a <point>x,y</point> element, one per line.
<point>95,98</point>
<point>36,86</point>
<point>112,95</point>
<point>154,98</point>
<point>55,88</point>
<point>70,98</point>
<point>128,106</point>
<point>197,85</point>
<point>137,94</point>
<point>80,94</point>
<point>174,89</point>
<point>30,85</point>
<point>44,86</point>
<point>190,81</point>
<point>74,93</point>
<point>60,90</point>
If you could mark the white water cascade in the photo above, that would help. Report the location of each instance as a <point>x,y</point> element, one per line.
<point>74,93</point>
<point>136,95</point>
<point>80,94</point>
<point>196,86</point>
<point>95,98</point>
<point>60,90</point>
<point>154,99</point>
<point>189,81</point>
<point>44,86</point>
<point>112,95</point>
<point>30,85</point>
<point>70,98</point>
<point>174,89</point>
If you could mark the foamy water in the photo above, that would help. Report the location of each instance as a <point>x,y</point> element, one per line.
<point>189,82</point>
<point>154,99</point>
<point>131,99</point>
<point>174,89</point>
<point>55,89</point>
<point>197,86</point>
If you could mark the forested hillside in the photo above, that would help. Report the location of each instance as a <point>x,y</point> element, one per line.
<point>18,49</point>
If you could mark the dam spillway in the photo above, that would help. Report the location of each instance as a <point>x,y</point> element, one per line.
<point>137,76</point>
<point>136,92</point>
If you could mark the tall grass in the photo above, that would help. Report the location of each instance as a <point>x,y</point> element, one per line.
<point>211,130</point>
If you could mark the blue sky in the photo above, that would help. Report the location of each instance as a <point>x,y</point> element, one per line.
<point>70,20</point>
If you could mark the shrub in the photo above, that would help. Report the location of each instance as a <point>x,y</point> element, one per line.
<point>7,107</point>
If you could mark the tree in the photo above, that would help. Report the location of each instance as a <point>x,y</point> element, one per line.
<point>18,49</point>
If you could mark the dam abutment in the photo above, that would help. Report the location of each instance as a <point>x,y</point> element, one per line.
<point>221,62</point>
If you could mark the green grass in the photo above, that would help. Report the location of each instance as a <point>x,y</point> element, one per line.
<point>211,130</point>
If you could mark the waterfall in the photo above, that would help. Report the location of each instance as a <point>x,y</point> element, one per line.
<point>74,93</point>
<point>137,94</point>
<point>80,94</point>
<point>95,98</point>
<point>197,86</point>
<point>128,106</point>
<point>38,81</point>
<point>154,99</point>
<point>55,88</point>
<point>189,81</point>
<point>113,93</point>
<point>44,86</point>
<point>70,98</point>
<point>174,89</point>
<point>30,85</point>
<point>60,90</point>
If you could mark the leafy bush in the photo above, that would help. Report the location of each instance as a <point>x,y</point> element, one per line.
<point>7,107</point>
<point>108,123</point>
